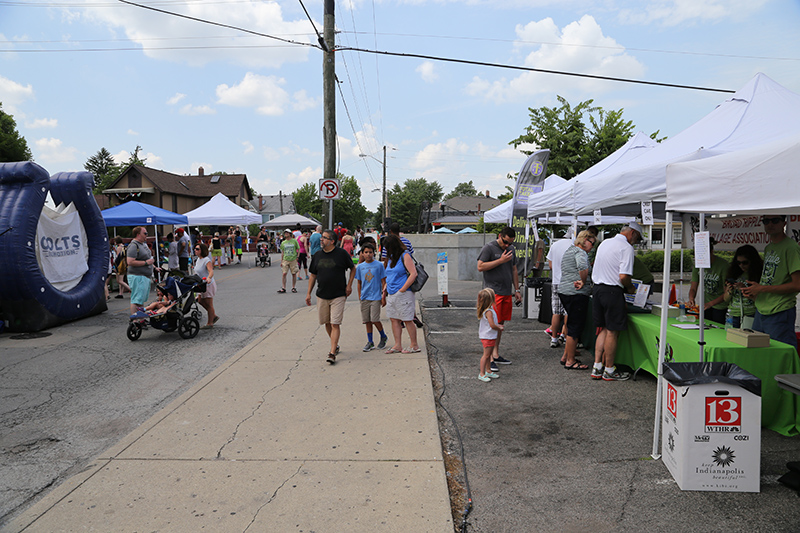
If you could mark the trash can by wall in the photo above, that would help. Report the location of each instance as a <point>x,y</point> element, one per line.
<point>711,427</point>
<point>545,305</point>
<point>534,297</point>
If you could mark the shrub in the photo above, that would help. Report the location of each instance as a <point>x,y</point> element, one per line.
<point>654,260</point>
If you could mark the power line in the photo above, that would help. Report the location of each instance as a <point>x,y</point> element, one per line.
<point>576,45</point>
<point>540,70</point>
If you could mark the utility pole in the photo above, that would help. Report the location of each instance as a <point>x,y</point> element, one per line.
<point>329,101</point>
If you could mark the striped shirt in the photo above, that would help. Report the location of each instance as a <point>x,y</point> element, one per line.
<point>572,262</point>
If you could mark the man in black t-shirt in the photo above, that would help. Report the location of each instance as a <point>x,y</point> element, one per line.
<point>329,265</point>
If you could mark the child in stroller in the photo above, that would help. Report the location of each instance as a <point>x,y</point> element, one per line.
<point>263,259</point>
<point>175,308</point>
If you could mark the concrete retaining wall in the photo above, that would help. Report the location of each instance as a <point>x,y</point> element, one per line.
<point>462,253</point>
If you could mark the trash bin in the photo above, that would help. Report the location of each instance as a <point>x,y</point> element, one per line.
<point>545,305</point>
<point>711,427</point>
<point>534,300</point>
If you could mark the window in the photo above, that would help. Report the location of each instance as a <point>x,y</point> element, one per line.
<point>658,236</point>
<point>271,217</point>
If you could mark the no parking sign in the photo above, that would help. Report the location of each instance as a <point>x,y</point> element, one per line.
<point>329,189</point>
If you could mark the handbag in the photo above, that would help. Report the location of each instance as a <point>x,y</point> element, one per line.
<point>422,277</point>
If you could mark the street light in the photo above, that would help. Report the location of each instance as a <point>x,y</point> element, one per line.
<point>385,200</point>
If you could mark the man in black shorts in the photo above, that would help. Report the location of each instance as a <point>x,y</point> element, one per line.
<point>613,268</point>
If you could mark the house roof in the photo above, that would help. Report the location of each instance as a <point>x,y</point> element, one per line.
<point>271,204</point>
<point>199,186</point>
<point>469,204</point>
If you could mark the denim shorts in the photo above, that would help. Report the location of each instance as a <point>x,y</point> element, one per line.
<point>779,327</point>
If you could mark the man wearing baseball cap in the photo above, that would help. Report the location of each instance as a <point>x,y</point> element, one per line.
<point>613,270</point>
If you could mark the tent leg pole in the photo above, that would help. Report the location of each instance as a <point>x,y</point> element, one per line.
<point>662,337</point>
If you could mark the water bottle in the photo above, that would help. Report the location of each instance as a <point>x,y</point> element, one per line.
<point>682,312</point>
<point>728,320</point>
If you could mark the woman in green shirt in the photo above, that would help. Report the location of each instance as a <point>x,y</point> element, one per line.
<point>746,266</point>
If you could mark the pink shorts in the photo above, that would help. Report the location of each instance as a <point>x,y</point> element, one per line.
<point>488,343</point>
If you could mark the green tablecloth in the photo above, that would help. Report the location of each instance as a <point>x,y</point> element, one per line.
<point>780,409</point>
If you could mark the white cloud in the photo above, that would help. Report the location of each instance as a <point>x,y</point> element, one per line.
<point>302,101</point>
<point>427,71</point>
<point>175,99</point>
<point>675,12</point>
<point>52,150</point>
<point>579,47</point>
<point>434,155</point>
<point>261,92</point>
<point>193,110</point>
<point>132,132</point>
<point>150,159</point>
<point>229,47</point>
<point>13,94</point>
<point>271,154</point>
<point>248,147</point>
<point>42,123</point>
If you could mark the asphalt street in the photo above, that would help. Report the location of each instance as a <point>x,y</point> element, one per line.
<point>549,449</point>
<point>70,395</point>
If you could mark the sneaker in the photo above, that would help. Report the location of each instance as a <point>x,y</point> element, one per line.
<point>369,347</point>
<point>502,361</point>
<point>554,342</point>
<point>331,358</point>
<point>492,375</point>
<point>493,367</point>
<point>382,344</point>
<point>616,376</point>
<point>597,373</point>
<point>562,340</point>
<point>549,332</point>
<point>485,379</point>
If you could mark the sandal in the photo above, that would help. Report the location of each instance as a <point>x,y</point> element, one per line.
<point>293,290</point>
<point>412,350</point>
<point>393,350</point>
<point>281,291</point>
<point>577,365</point>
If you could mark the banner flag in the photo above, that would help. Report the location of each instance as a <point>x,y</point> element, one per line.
<point>61,247</point>
<point>530,181</point>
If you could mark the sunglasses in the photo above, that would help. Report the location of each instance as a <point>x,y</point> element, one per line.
<point>772,220</point>
<point>507,243</point>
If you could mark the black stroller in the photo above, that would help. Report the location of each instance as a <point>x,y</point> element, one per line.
<point>184,315</point>
<point>263,258</point>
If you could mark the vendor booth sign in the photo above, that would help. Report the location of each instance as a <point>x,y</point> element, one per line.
<point>733,232</point>
<point>711,438</point>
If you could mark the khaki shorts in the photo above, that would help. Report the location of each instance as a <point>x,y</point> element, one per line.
<point>286,266</point>
<point>370,311</point>
<point>400,306</point>
<point>331,311</point>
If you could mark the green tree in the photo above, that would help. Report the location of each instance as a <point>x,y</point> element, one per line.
<point>307,202</point>
<point>412,203</point>
<point>13,146</point>
<point>463,189</point>
<point>575,145</point>
<point>105,170</point>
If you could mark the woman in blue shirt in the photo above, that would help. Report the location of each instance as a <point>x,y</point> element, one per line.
<point>400,274</point>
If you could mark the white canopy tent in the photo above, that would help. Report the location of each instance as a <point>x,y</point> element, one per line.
<point>757,180</point>
<point>761,112</point>
<point>561,199</point>
<point>290,221</point>
<point>220,210</point>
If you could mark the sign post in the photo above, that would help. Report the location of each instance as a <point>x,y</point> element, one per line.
<point>330,189</point>
<point>441,279</point>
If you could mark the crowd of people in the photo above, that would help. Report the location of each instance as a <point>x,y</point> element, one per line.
<point>751,292</point>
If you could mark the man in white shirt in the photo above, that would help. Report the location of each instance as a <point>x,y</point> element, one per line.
<point>557,329</point>
<point>613,268</point>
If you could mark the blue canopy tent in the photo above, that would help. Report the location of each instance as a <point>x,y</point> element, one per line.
<point>138,214</point>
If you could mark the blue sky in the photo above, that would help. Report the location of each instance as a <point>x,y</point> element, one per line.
<point>79,75</point>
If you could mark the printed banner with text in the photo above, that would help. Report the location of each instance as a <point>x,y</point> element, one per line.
<point>530,181</point>
<point>733,232</point>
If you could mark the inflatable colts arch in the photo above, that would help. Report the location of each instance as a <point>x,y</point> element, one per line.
<point>28,301</point>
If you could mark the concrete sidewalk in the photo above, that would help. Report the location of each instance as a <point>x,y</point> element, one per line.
<point>275,439</point>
